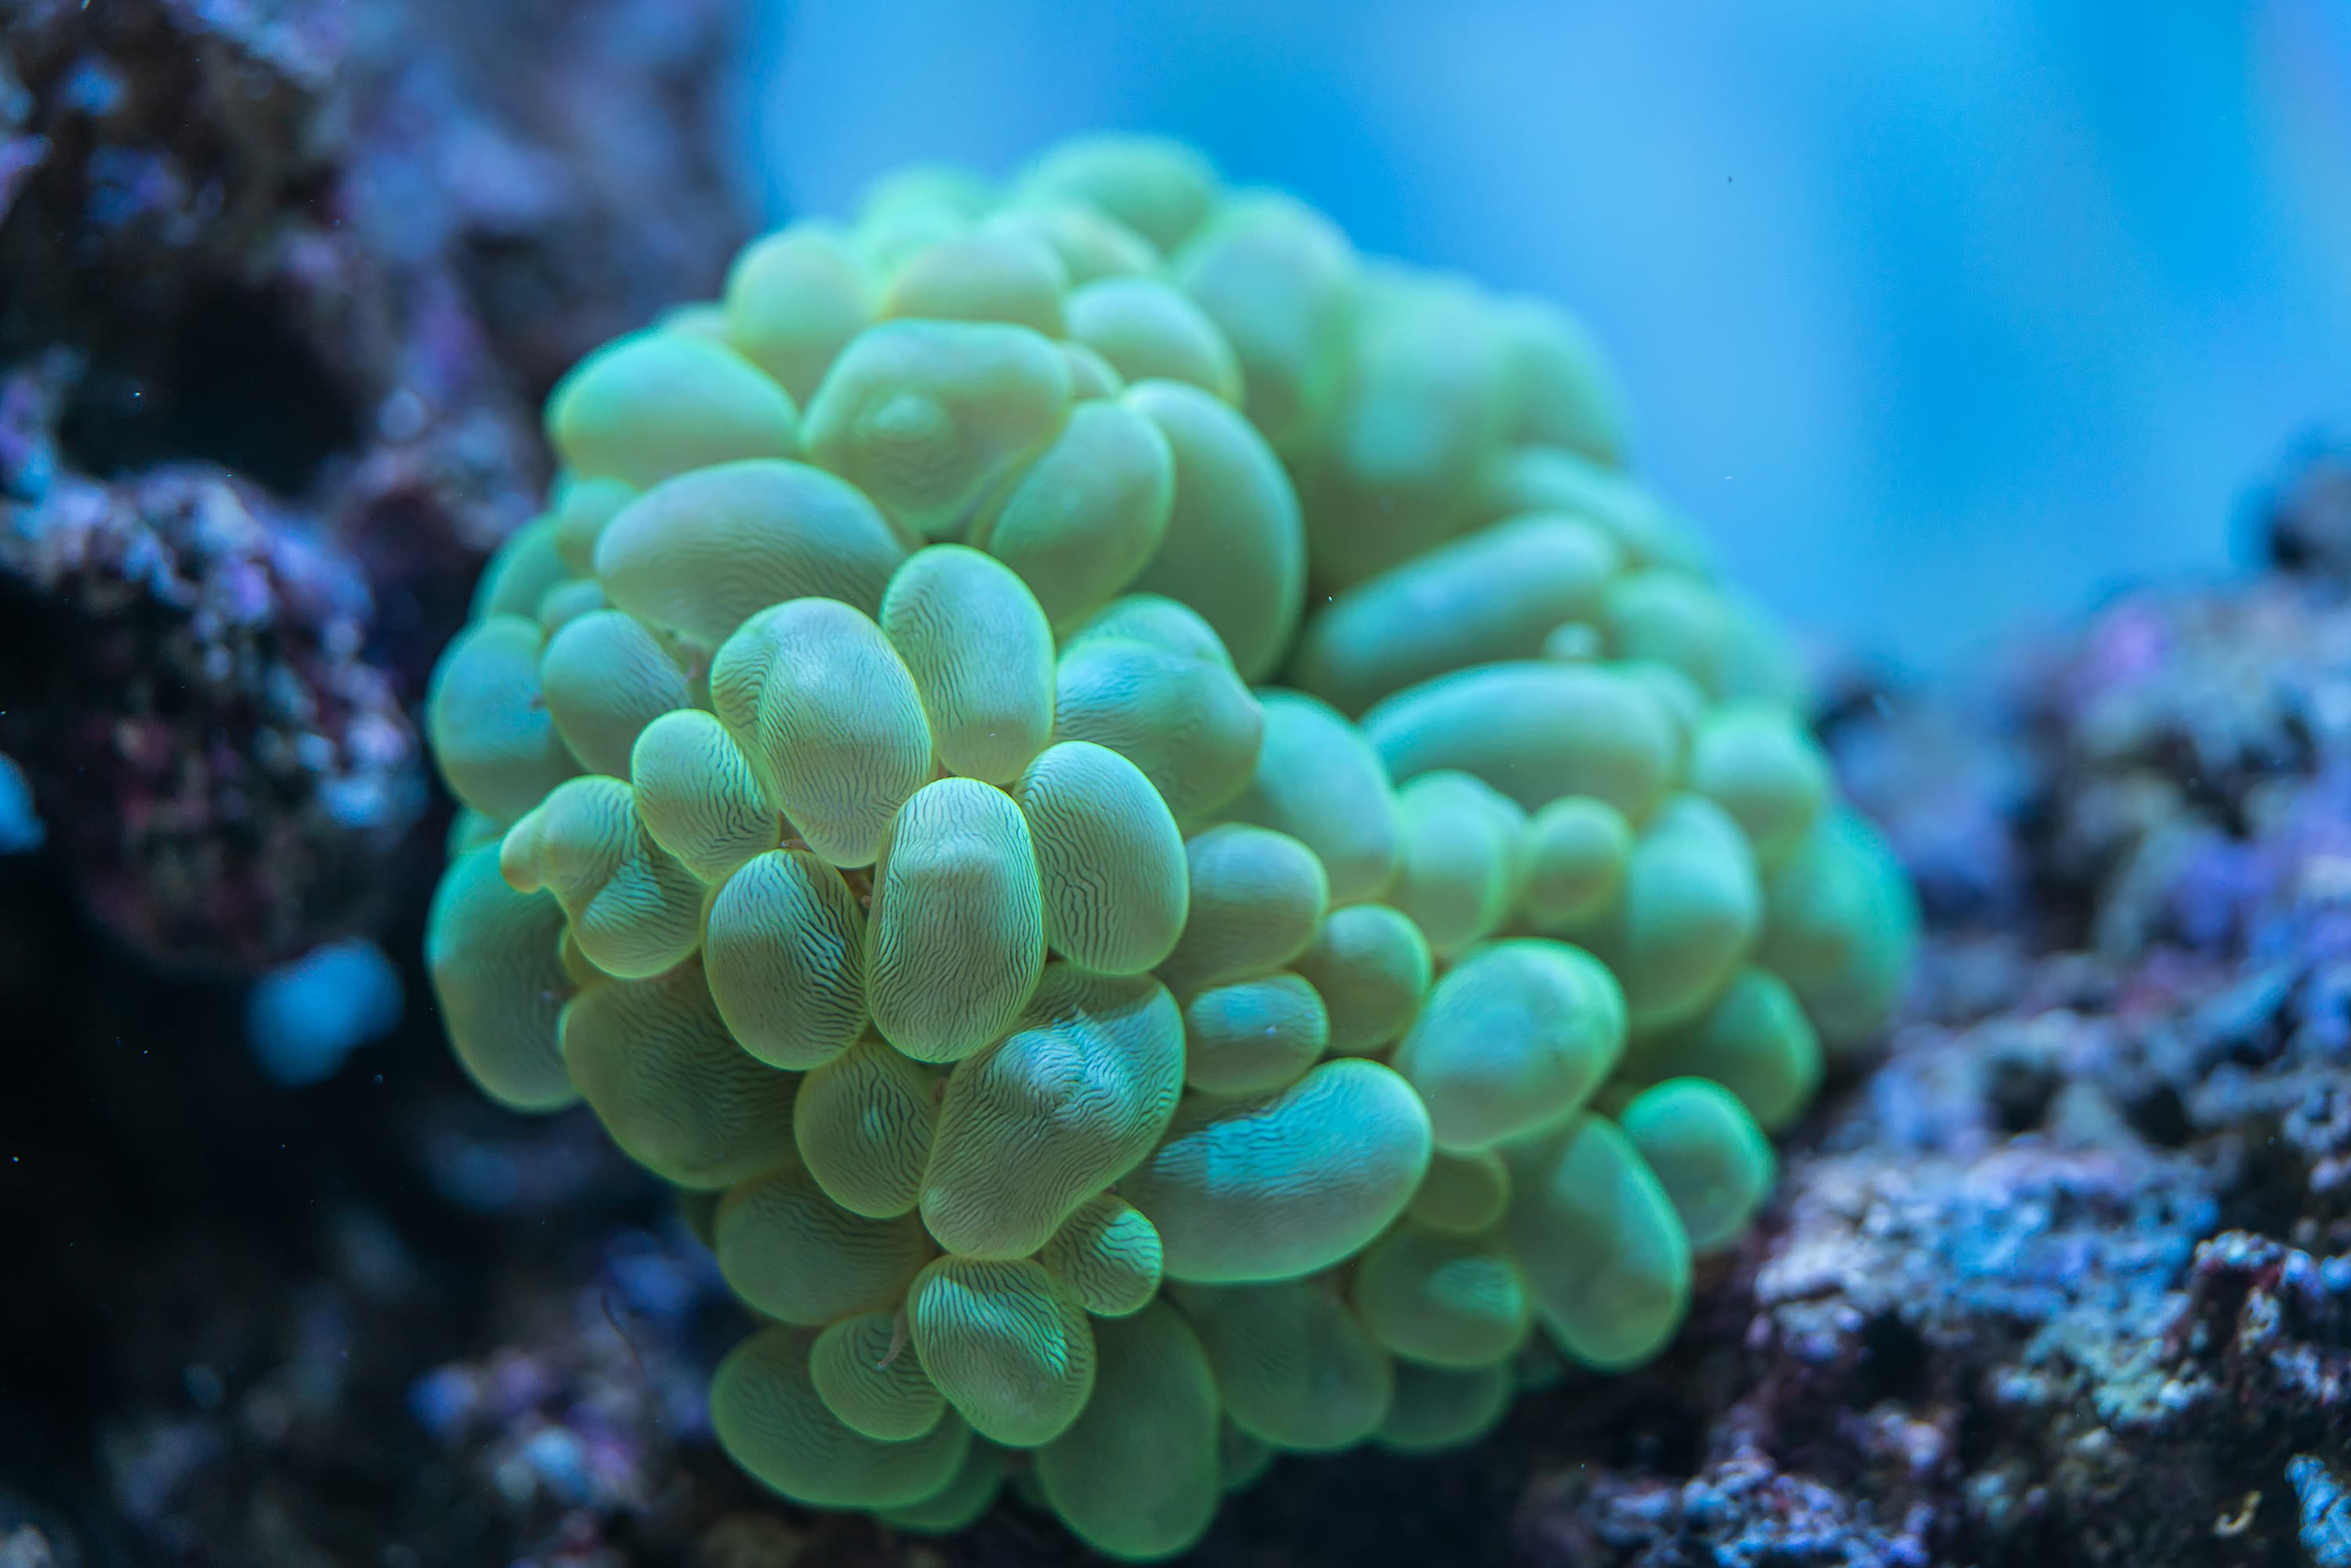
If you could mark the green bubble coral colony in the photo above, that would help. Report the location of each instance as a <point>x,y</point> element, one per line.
<point>1141,807</point>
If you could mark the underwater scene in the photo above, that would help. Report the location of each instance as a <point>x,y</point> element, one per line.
<point>958,786</point>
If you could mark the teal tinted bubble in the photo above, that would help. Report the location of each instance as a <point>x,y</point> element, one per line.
<point>1278,278</point>
<point>830,718</point>
<point>1090,243</point>
<point>1576,852</point>
<point>1535,731</point>
<point>634,911</point>
<point>567,602</point>
<point>1145,329</point>
<point>1463,846</point>
<point>1753,1039</point>
<point>982,277</point>
<point>1137,1476</point>
<point>1257,898</point>
<point>785,947</point>
<point>1281,1185</point>
<point>1756,762</point>
<point>1489,596</point>
<point>1253,1036</point>
<point>796,1255</point>
<point>582,507</point>
<point>1186,722</point>
<point>1688,915</point>
<point>604,678</point>
<point>1371,965</point>
<point>1318,780</point>
<point>1462,1193</point>
<point>1235,549</point>
<point>1715,1163</point>
<point>865,1373</point>
<point>653,1059</point>
<point>794,301</point>
<point>930,418</point>
<point>486,718</point>
<point>1008,1349</point>
<point>771,1420</point>
<point>1671,617</point>
<point>1160,189</point>
<point>521,571</point>
<point>1445,1299</point>
<point>1296,1367</point>
<point>1088,513</point>
<point>652,404</point>
<point>1017,1151</point>
<point>1111,863</point>
<point>698,797</point>
<point>1554,480</point>
<point>981,654</point>
<point>956,936</point>
<point>1435,1408</point>
<point>1842,928</point>
<point>1564,391</point>
<point>1107,1256</point>
<point>862,1123</point>
<point>700,555</point>
<point>1516,1035</point>
<point>1597,1238</point>
<point>491,952</point>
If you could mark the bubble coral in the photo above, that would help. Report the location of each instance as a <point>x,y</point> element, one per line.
<point>1111,1067</point>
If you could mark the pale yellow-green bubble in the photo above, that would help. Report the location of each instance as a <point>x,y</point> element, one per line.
<point>1137,1476</point>
<point>771,1420</point>
<point>956,936</point>
<point>655,403</point>
<point>1296,1367</point>
<point>1008,1349</point>
<point>862,1123</point>
<point>1257,898</point>
<point>981,653</point>
<point>1318,780</point>
<point>492,955</point>
<point>1670,618</point>
<point>866,1373</point>
<point>1160,189</point>
<point>1147,329</point>
<point>930,418</point>
<point>1278,278</point>
<point>785,948</point>
<point>634,910</point>
<point>1842,927</point>
<point>1371,965</point>
<point>655,1062</point>
<point>1576,852</point>
<point>1753,1039</point>
<point>486,719</point>
<point>521,571</point>
<point>1091,378</point>
<point>1443,1298</point>
<point>1715,1163</point>
<point>1016,1150</point>
<point>1462,858</point>
<point>1535,731</point>
<point>1554,480</point>
<point>605,677</point>
<point>1252,1037</point>
<point>1492,595</point>
<point>1186,720</point>
<point>1516,1035</point>
<point>830,720</point>
<point>701,554</point>
<point>1597,1238</point>
<point>794,301</point>
<point>567,602</point>
<point>1562,390</point>
<point>1436,1407</point>
<point>1106,1255</point>
<point>1110,861</point>
<point>1235,549</point>
<point>1688,914</point>
<point>698,797</point>
<point>982,277</point>
<point>1090,243</point>
<point>1462,1193</point>
<point>1089,513</point>
<point>1280,1186</point>
<point>796,1255</point>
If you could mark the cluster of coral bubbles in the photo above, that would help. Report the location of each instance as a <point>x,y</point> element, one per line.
<point>1178,862</point>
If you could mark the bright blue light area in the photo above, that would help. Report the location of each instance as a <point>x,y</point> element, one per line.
<point>303,1019</point>
<point>1941,319</point>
